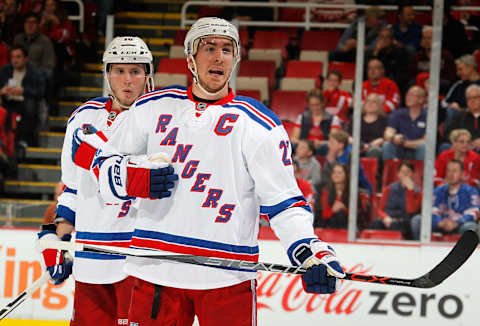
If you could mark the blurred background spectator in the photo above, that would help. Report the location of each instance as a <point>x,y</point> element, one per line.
<point>405,133</point>
<point>377,83</point>
<point>309,168</point>
<point>461,150</point>
<point>455,99</point>
<point>315,124</point>
<point>421,61</point>
<point>401,200</point>
<point>22,87</point>
<point>347,44</point>
<point>339,152</point>
<point>372,127</point>
<point>394,58</point>
<point>407,31</point>
<point>55,24</point>
<point>469,119</point>
<point>335,197</point>
<point>11,21</point>
<point>455,207</point>
<point>337,101</point>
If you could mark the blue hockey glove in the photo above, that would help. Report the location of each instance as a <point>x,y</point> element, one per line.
<point>57,262</point>
<point>323,268</point>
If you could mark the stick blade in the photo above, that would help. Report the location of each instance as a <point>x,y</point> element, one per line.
<point>460,253</point>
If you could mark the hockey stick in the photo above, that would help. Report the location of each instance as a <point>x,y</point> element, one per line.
<point>24,295</point>
<point>462,250</point>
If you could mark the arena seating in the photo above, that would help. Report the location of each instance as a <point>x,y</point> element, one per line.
<point>390,172</point>
<point>288,104</point>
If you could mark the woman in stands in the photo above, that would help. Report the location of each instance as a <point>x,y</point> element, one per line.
<point>315,124</point>
<point>335,198</point>
<point>372,127</point>
<point>461,150</point>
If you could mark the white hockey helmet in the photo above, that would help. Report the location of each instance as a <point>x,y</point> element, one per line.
<point>205,27</point>
<point>211,26</point>
<point>129,49</point>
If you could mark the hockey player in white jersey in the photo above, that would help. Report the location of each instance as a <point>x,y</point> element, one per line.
<point>234,162</point>
<point>102,289</point>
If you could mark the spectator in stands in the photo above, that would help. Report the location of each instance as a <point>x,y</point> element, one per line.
<point>50,213</point>
<point>454,38</point>
<point>377,83</point>
<point>337,101</point>
<point>346,47</point>
<point>394,58</point>
<point>455,207</point>
<point>315,124</point>
<point>309,168</point>
<point>421,61</point>
<point>55,24</point>
<point>405,133</point>
<point>335,197</point>
<point>469,119</point>
<point>400,201</point>
<point>339,152</point>
<point>305,186</point>
<point>461,150</point>
<point>407,31</point>
<point>22,87</point>
<point>11,21</point>
<point>40,48</point>
<point>372,127</point>
<point>455,99</point>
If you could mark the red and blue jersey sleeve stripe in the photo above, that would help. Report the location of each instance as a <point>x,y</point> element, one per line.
<point>271,211</point>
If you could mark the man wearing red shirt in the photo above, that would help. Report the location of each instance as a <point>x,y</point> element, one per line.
<point>337,101</point>
<point>377,83</point>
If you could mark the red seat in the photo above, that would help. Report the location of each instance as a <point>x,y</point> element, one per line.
<point>305,69</point>
<point>320,40</point>
<point>291,15</point>
<point>381,234</point>
<point>254,68</point>
<point>347,69</point>
<point>288,104</point>
<point>271,40</point>
<point>437,236</point>
<point>180,37</point>
<point>390,172</point>
<point>175,66</point>
<point>244,40</point>
<point>332,235</point>
<point>289,126</point>
<point>370,167</point>
<point>423,18</point>
<point>207,11</point>
<point>253,93</point>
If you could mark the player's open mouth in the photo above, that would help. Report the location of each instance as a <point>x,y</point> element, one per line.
<point>216,72</point>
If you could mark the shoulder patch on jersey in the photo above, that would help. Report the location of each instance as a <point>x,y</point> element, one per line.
<point>179,92</point>
<point>93,104</point>
<point>256,110</point>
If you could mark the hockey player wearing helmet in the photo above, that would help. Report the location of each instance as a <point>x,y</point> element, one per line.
<point>236,165</point>
<point>102,289</point>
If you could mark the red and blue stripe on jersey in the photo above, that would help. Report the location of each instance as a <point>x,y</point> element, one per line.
<point>118,239</point>
<point>97,103</point>
<point>178,92</point>
<point>269,212</point>
<point>186,245</point>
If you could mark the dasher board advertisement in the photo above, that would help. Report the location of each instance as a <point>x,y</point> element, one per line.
<point>281,300</point>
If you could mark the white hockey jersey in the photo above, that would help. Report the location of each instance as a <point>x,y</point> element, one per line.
<point>95,221</point>
<point>233,158</point>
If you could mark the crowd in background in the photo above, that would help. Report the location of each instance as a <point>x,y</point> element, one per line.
<point>393,128</point>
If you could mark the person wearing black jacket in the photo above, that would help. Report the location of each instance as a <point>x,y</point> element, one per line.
<point>22,86</point>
